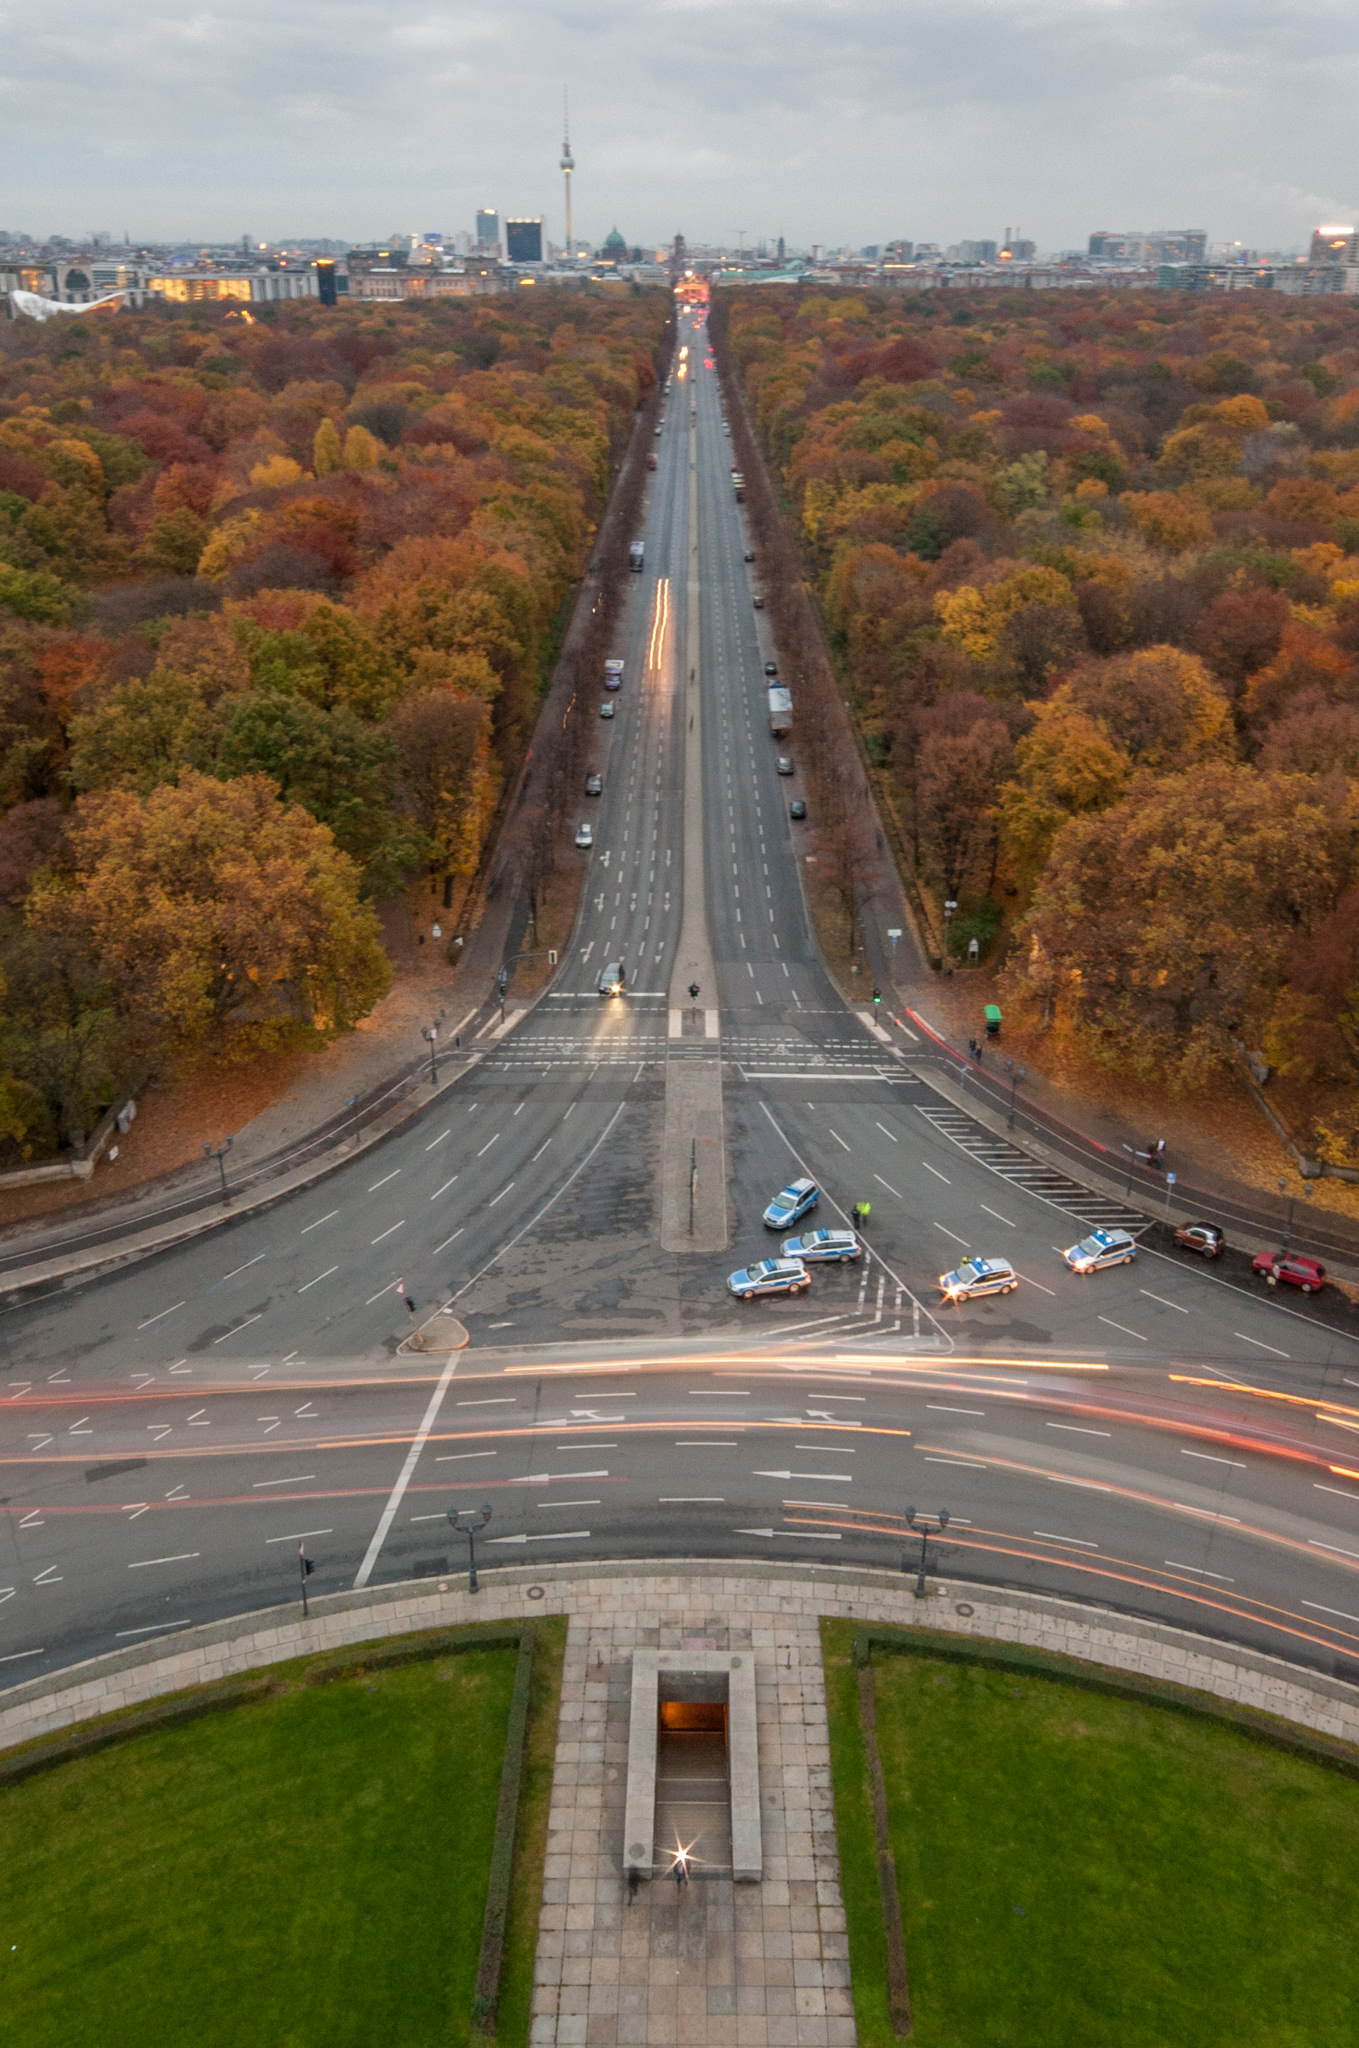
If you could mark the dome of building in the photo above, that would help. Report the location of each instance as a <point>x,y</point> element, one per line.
<point>614,246</point>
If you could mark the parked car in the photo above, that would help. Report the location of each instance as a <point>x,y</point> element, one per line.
<point>749,555</point>
<point>838,1245</point>
<point>1102,1248</point>
<point>1295,1269</point>
<point>783,764</point>
<point>758,600</point>
<point>771,668</point>
<point>594,785</point>
<point>653,461</point>
<point>791,1204</point>
<point>613,675</point>
<point>1204,1238</point>
<point>584,836</point>
<point>607,708</point>
<point>769,1276</point>
<point>612,980</point>
<point>797,810</point>
<point>978,1276</point>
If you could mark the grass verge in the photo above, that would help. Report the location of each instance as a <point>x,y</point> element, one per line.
<point>307,1867</point>
<point>1081,1869</point>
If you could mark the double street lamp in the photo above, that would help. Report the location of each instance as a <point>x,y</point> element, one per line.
<point>924,1530</point>
<point>467,1521</point>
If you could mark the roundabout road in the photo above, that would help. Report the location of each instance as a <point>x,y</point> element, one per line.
<point>1162,1438</point>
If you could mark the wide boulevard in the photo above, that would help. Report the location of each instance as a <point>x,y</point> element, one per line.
<point>1165,1437</point>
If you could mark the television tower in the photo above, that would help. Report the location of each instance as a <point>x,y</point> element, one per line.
<point>568,165</point>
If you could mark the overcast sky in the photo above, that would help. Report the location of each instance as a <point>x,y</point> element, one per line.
<point>833,121</point>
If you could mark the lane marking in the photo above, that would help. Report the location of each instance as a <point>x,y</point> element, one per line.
<point>935,1171</point>
<point>1049,1537</point>
<point>383,1182</point>
<point>999,1218</point>
<point>180,1557</point>
<point>389,1233</point>
<point>1111,1324</point>
<point>299,1535</point>
<point>1164,1303</point>
<point>329,1218</point>
<point>319,1278</point>
<point>164,1312</point>
<point>1209,1459</point>
<point>443,1190</point>
<point>888,1185</point>
<point>242,1269</point>
<point>1077,1429</point>
<point>296,1480</point>
<point>1258,1345</point>
<point>388,1514</point>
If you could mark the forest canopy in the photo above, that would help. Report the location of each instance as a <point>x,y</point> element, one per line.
<point>278,602</point>
<point>1090,567</point>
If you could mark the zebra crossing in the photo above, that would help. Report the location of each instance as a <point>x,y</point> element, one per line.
<point>1104,1212</point>
<point>755,1058</point>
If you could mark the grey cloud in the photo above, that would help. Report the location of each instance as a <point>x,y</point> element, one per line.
<point>851,121</point>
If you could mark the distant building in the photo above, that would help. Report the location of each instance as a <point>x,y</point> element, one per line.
<point>613,249</point>
<point>1159,245</point>
<point>488,228</point>
<point>1017,251</point>
<point>524,240</point>
<point>1334,245</point>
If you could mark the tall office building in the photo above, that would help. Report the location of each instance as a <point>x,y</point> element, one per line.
<point>524,240</point>
<point>488,228</point>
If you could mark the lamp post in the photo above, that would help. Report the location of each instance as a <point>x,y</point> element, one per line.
<point>220,1156</point>
<point>1016,1074</point>
<point>468,1521</point>
<point>1292,1205</point>
<point>924,1532</point>
<point>430,1034</point>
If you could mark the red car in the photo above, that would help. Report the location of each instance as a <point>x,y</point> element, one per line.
<point>1293,1268</point>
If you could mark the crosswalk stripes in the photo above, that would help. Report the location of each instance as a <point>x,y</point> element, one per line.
<point>1103,1211</point>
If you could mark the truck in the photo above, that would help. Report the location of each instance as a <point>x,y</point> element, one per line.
<point>780,710</point>
<point>738,484</point>
<point>636,555</point>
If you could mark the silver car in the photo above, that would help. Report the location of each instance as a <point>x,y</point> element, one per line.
<point>837,1245</point>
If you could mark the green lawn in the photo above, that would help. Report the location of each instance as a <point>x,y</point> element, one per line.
<point>306,1872</point>
<point>1077,1871</point>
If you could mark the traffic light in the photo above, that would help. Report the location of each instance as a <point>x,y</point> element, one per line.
<point>877,995</point>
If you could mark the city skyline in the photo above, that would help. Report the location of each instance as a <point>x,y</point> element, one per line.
<point>851,130</point>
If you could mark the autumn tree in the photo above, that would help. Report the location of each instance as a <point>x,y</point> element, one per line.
<point>1160,927</point>
<point>229,923</point>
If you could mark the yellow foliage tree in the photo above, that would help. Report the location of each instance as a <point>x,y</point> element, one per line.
<point>326,453</point>
<point>972,618</point>
<point>361,449</point>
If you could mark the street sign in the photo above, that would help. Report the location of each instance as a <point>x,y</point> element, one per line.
<point>894,932</point>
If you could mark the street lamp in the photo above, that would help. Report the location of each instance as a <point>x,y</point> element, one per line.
<point>1016,1074</point>
<point>1292,1205</point>
<point>430,1034</point>
<point>468,1521</point>
<point>220,1156</point>
<point>924,1532</point>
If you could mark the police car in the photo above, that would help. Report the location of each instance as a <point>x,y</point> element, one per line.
<point>839,1245</point>
<point>1102,1248</point>
<point>978,1276</point>
<point>770,1276</point>
<point>791,1204</point>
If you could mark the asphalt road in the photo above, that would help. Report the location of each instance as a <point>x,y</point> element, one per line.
<point>1164,1437</point>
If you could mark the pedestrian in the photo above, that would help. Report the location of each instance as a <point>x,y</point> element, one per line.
<point>634,1884</point>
